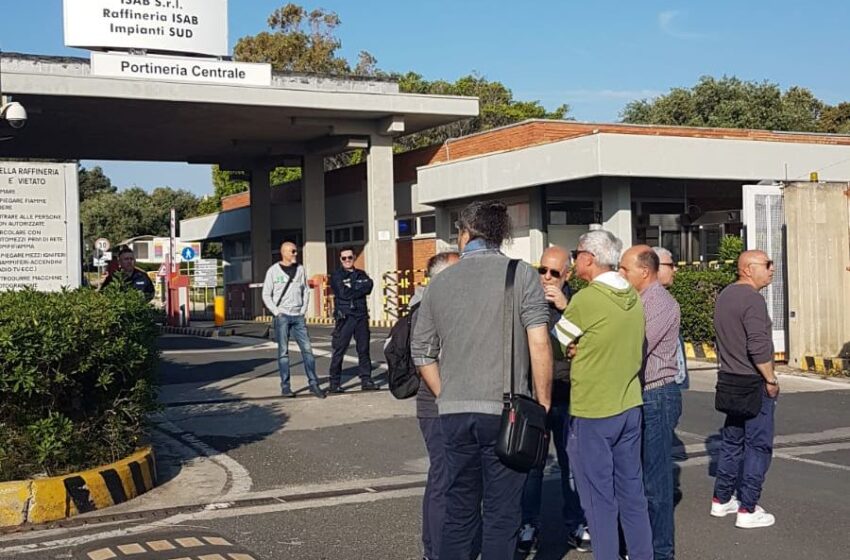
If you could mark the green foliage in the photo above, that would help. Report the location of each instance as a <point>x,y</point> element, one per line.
<point>77,380</point>
<point>124,214</point>
<point>729,102</point>
<point>731,247</point>
<point>93,182</point>
<point>300,41</point>
<point>497,107</point>
<point>696,290</point>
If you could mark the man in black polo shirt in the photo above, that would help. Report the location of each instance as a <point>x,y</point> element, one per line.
<point>745,349</point>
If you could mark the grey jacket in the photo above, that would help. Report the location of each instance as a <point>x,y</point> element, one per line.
<point>297,298</point>
<point>460,323</point>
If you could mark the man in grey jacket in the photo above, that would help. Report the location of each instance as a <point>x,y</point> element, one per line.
<point>460,325</point>
<point>286,296</point>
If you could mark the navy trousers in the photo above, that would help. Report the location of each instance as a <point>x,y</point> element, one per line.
<point>481,490</point>
<point>605,454</point>
<point>434,500</point>
<point>745,455</point>
<point>358,327</point>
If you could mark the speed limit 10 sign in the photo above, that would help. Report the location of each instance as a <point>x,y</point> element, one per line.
<point>102,244</point>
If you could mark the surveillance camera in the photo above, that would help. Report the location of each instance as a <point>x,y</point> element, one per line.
<point>15,114</point>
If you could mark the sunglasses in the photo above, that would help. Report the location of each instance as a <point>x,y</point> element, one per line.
<point>767,264</point>
<point>671,265</point>
<point>346,258</point>
<point>576,252</point>
<point>543,270</point>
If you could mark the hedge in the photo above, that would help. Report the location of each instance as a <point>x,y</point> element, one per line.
<point>77,379</point>
<point>696,291</point>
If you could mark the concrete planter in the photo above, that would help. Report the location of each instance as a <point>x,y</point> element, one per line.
<point>43,500</point>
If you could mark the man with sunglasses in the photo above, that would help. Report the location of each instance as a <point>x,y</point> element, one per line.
<point>350,286</point>
<point>286,295</point>
<point>554,274</point>
<point>745,353</point>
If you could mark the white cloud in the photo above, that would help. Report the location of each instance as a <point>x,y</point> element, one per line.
<point>668,23</point>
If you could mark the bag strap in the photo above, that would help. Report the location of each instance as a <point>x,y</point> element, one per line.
<point>286,288</point>
<point>508,326</point>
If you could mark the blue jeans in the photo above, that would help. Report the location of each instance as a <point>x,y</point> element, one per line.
<point>662,408</point>
<point>745,455</point>
<point>294,326</point>
<point>482,492</point>
<point>605,456</point>
<point>533,491</point>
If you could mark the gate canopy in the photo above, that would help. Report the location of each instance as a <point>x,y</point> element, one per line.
<point>75,115</point>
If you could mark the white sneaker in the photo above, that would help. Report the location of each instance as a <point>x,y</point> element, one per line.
<point>722,510</point>
<point>754,520</point>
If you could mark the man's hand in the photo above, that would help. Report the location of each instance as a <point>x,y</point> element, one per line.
<point>772,390</point>
<point>556,297</point>
<point>571,350</point>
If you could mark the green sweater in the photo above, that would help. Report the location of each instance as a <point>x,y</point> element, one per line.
<point>606,319</point>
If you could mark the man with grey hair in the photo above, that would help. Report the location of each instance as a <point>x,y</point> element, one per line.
<point>666,266</point>
<point>667,270</point>
<point>605,322</point>
<point>434,498</point>
<point>459,346</point>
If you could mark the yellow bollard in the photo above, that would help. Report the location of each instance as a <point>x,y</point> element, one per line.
<point>218,311</point>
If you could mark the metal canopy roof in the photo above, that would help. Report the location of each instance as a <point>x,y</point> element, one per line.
<point>74,115</point>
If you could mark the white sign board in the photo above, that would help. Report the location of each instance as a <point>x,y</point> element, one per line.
<point>180,26</point>
<point>180,69</point>
<point>102,260</point>
<point>206,273</point>
<point>39,226</point>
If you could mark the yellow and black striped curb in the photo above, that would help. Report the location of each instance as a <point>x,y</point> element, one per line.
<point>819,364</point>
<point>700,351</point>
<point>707,352</point>
<point>198,331</point>
<point>42,500</point>
<point>325,321</point>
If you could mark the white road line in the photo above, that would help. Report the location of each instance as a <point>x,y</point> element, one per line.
<point>784,455</point>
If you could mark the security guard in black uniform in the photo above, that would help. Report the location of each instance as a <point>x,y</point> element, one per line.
<point>350,287</point>
<point>128,275</point>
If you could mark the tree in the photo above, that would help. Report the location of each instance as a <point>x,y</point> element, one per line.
<point>497,107</point>
<point>300,41</point>
<point>93,181</point>
<point>836,119</point>
<point>729,102</point>
<point>226,183</point>
<point>132,212</point>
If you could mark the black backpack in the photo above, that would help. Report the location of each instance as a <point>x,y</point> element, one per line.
<point>402,377</point>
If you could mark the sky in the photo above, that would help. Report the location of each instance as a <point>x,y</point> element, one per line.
<point>594,55</point>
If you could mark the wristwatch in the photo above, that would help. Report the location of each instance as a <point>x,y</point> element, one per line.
<point>773,381</point>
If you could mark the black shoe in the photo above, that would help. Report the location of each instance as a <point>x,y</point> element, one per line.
<point>336,389</point>
<point>318,393</point>
<point>580,540</point>
<point>287,393</point>
<point>368,385</point>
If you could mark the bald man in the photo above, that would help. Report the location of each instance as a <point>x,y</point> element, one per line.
<point>554,273</point>
<point>747,388</point>
<point>286,296</point>
<point>662,397</point>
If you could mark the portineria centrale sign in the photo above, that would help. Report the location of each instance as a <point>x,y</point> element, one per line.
<point>180,26</point>
<point>180,69</point>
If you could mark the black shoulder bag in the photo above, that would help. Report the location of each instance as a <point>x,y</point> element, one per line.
<point>523,442</point>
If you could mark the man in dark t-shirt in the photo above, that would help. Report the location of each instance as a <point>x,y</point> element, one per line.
<point>128,275</point>
<point>745,348</point>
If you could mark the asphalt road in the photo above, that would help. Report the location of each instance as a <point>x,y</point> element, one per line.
<point>342,477</point>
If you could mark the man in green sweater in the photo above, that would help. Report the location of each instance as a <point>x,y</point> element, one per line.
<point>605,324</point>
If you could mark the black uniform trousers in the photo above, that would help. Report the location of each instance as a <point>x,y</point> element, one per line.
<point>358,327</point>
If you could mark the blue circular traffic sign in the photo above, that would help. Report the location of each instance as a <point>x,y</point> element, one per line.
<point>188,254</point>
